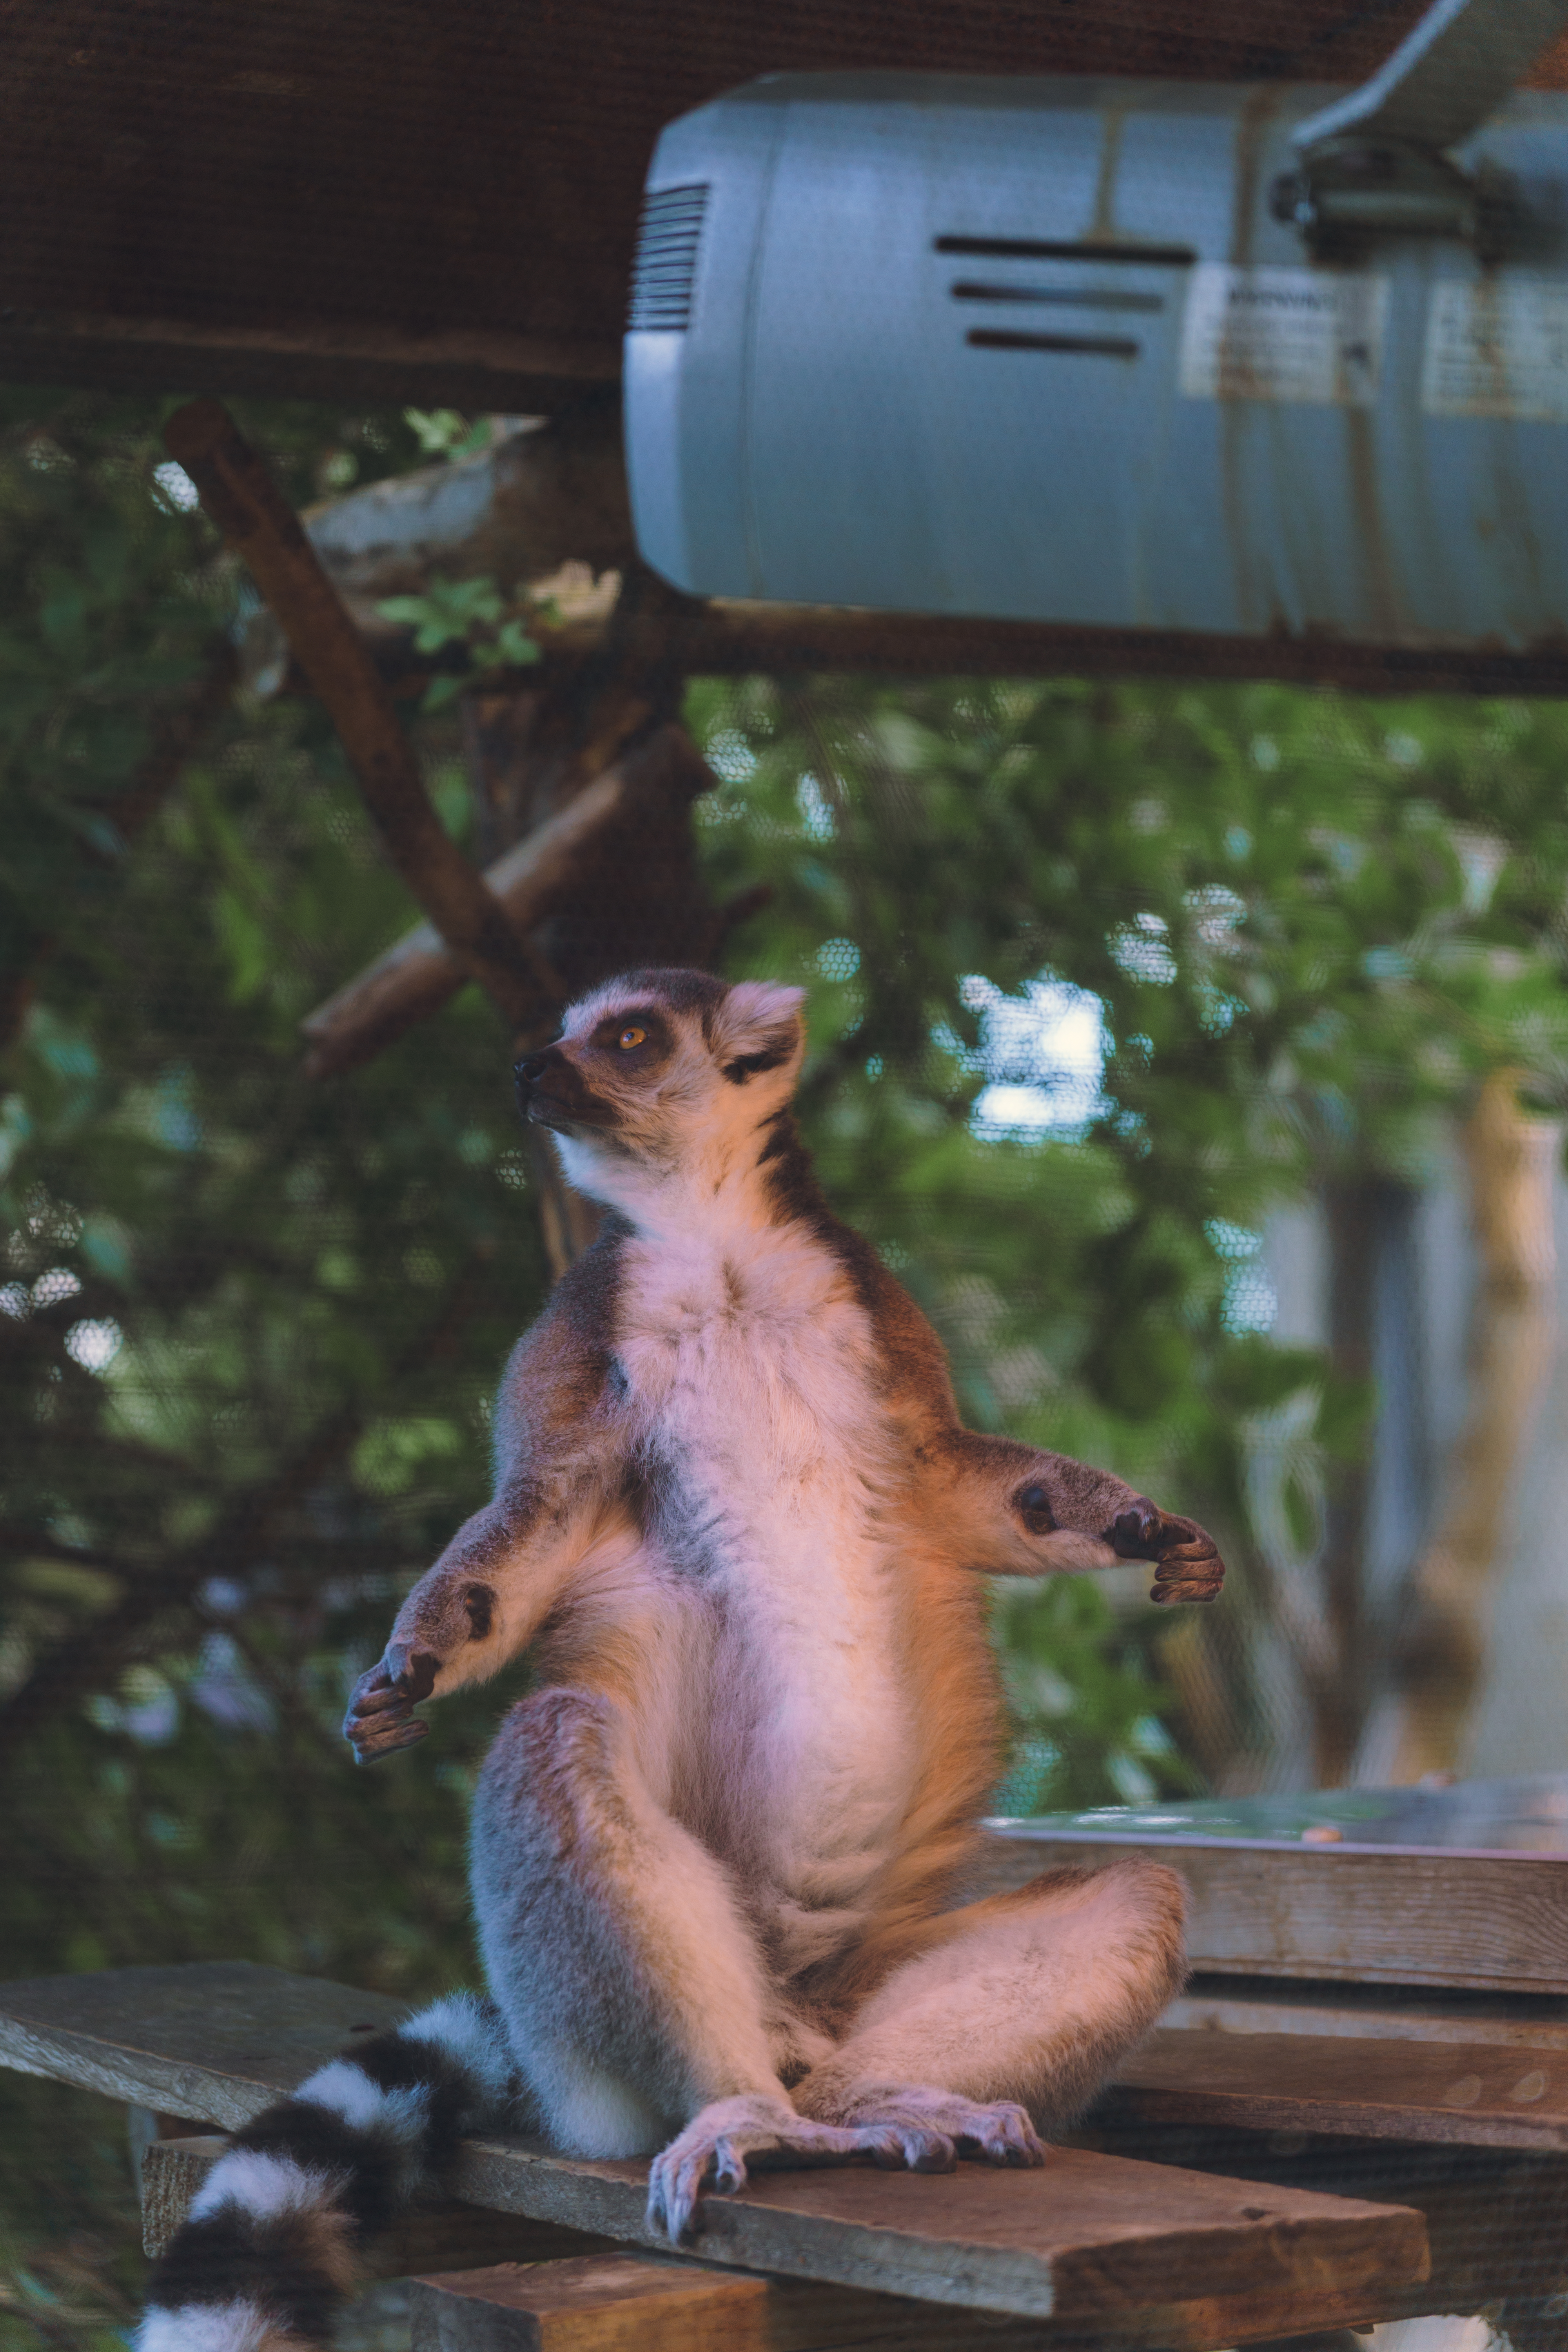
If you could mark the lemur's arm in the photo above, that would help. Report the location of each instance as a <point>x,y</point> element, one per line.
<point>1010,1509</point>
<point>561,1451</point>
<point>1015,1510</point>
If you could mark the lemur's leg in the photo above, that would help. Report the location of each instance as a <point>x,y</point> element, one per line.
<point>1017,1511</point>
<point>635,1999</point>
<point>1012,2018</point>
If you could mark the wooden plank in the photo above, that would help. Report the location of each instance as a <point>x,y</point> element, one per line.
<point>1381,1914</point>
<point>1370,2012</point>
<point>615,2303</point>
<point>644,2302</point>
<point>774,2315</point>
<point>1497,2219</point>
<point>1087,2240</point>
<point>1477,2096</point>
<point>216,2041</point>
<point>436,2234</point>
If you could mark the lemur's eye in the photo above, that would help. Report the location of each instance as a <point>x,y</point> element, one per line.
<point>630,1035</point>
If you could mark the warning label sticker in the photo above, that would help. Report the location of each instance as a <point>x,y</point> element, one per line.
<point>1497,347</point>
<point>1283,334</point>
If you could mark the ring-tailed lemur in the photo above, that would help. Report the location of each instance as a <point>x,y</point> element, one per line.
<point>738,1523</point>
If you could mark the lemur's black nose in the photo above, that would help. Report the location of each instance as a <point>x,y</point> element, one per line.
<point>531,1071</point>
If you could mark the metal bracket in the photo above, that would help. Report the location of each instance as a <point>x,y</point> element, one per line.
<point>1374,163</point>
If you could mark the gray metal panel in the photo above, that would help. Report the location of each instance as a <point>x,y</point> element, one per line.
<point>829,429</point>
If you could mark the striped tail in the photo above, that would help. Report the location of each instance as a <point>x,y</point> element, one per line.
<point>270,2247</point>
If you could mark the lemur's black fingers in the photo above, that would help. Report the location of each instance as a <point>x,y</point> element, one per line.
<point>369,1747</point>
<point>375,1704</point>
<point>1190,1566</point>
<point>379,1699</point>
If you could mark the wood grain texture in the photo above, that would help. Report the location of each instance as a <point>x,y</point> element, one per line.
<point>780,2315</point>
<point>1089,2240</point>
<point>436,2235</point>
<point>1475,2095</point>
<point>614,2303</point>
<point>1389,1915</point>
<point>278,173</point>
<point>1370,2012</point>
<point>644,2302</point>
<point>1497,2220</point>
<point>216,2041</point>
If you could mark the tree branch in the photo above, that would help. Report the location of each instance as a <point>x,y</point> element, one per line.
<point>417,977</point>
<point>247,508</point>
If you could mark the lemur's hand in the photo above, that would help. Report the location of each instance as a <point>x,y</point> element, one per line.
<point>1188,1565</point>
<point>380,1718</point>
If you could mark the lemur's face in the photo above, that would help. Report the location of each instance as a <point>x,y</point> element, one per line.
<point>660,1070</point>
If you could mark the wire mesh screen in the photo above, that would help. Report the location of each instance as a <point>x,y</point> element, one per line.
<point>1193,1054</point>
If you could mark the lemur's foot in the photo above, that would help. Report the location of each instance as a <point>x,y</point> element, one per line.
<point>718,2140</point>
<point>1000,2131</point>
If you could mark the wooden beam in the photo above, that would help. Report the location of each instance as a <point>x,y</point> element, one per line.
<point>438,200</point>
<point>1087,2241</point>
<point>327,359</point>
<point>1389,1915</point>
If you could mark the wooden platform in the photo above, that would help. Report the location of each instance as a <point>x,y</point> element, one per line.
<point>1092,2243</point>
<point>1406,1887</point>
<point>1473,2095</point>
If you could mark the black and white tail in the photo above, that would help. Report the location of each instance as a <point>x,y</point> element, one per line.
<point>271,2244</point>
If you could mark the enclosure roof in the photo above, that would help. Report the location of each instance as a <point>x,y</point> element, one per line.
<point>436,198</point>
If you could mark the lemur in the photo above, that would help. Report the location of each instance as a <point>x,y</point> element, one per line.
<point>739,1529</point>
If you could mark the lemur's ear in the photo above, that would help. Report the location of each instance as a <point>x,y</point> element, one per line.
<point>758,1027</point>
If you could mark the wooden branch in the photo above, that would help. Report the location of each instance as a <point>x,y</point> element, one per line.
<point>416,978</point>
<point>550,492</point>
<point>601,850</point>
<point>244,503</point>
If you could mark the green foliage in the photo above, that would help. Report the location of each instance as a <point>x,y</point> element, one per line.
<point>474,615</point>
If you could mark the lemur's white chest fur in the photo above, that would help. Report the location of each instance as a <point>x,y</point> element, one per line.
<point>749,1368</point>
